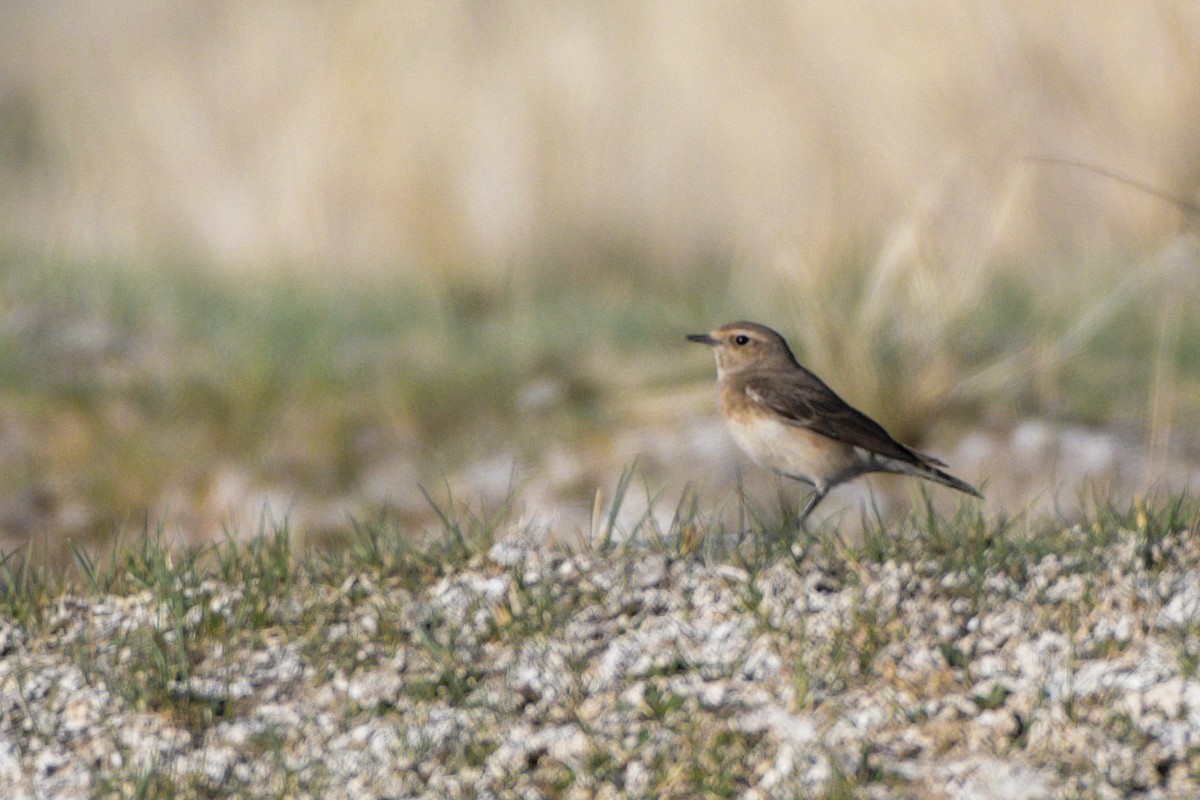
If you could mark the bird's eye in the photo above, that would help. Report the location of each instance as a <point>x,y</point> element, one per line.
<point>741,339</point>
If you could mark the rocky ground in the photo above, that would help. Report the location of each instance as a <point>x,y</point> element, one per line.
<point>961,659</point>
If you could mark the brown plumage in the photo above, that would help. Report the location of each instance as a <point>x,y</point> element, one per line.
<point>786,419</point>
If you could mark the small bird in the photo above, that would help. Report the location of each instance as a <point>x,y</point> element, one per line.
<point>787,420</point>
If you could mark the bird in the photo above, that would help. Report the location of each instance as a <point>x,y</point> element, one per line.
<point>788,420</point>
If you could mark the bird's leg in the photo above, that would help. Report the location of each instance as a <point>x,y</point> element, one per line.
<point>816,497</point>
<point>839,543</point>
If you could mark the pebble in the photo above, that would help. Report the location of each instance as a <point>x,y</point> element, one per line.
<point>1064,683</point>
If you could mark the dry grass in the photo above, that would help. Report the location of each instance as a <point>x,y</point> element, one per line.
<point>423,138</point>
<point>865,165</point>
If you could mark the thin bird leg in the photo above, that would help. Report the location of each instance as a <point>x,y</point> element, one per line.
<point>813,499</point>
<point>839,543</point>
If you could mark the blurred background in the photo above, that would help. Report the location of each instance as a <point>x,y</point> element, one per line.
<point>277,260</point>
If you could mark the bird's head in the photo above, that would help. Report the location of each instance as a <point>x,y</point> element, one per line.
<point>742,345</point>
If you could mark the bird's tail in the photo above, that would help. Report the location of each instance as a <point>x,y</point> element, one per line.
<point>929,468</point>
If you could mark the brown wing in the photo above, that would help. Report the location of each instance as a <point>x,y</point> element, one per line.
<point>804,400</point>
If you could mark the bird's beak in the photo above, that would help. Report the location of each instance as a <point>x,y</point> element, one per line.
<point>702,338</point>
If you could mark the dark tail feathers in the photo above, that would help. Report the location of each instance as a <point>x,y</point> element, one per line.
<point>928,468</point>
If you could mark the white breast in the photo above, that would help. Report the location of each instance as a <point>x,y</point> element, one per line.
<point>790,450</point>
